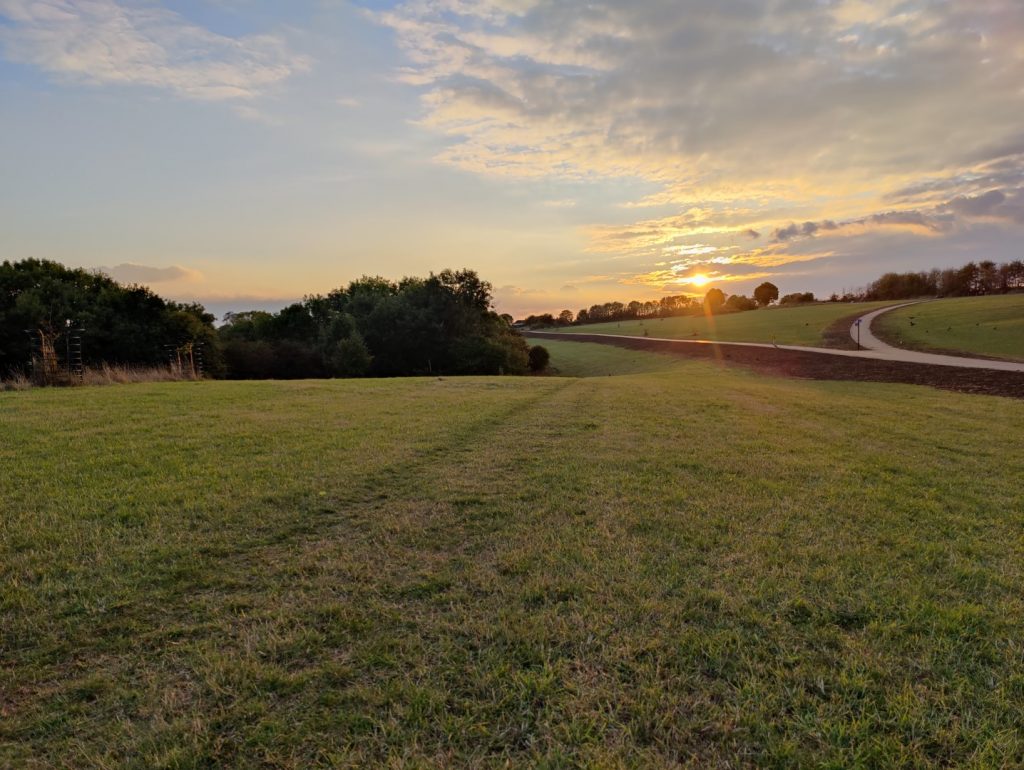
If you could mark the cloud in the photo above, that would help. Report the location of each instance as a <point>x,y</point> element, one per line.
<point>669,89</point>
<point>129,272</point>
<point>844,120</point>
<point>806,230</point>
<point>978,205</point>
<point>918,222</point>
<point>141,44</point>
<point>654,236</point>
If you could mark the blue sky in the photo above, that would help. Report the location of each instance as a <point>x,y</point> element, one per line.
<point>244,153</point>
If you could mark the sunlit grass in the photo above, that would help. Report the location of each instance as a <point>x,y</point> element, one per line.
<point>990,326</point>
<point>800,325</point>
<point>678,565</point>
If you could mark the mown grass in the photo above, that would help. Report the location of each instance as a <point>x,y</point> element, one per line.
<point>988,326</point>
<point>688,566</point>
<point>800,325</point>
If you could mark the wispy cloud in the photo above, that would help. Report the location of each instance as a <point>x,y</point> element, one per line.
<point>129,272</point>
<point>141,44</point>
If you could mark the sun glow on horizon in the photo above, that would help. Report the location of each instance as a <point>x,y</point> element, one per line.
<point>699,280</point>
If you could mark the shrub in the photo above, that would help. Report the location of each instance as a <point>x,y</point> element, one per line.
<point>797,299</point>
<point>740,303</point>
<point>539,358</point>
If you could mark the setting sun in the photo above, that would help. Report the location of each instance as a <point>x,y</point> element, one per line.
<point>699,280</point>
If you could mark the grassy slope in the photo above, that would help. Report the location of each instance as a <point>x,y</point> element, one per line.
<point>688,565</point>
<point>990,326</point>
<point>802,325</point>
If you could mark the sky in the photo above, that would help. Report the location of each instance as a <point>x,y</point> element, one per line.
<point>246,153</point>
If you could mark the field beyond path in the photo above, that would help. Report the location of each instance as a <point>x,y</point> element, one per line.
<point>816,324</point>
<point>676,565</point>
<point>983,326</point>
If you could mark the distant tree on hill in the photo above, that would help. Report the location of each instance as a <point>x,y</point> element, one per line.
<point>739,303</point>
<point>797,298</point>
<point>565,318</point>
<point>1011,276</point>
<point>714,300</point>
<point>766,294</point>
<point>543,320</point>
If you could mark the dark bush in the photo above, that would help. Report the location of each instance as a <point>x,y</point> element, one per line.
<point>797,298</point>
<point>539,358</point>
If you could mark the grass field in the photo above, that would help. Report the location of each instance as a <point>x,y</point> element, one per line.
<point>989,326</point>
<point>800,325</point>
<point>683,565</point>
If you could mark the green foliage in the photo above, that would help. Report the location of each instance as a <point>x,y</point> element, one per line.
<point>123,324</point>
<point>539,358</point>
<point>443,324</point>
<point>350,356</point>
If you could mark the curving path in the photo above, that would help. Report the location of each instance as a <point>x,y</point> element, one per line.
<point>882,350</point>
<point>873,348</point>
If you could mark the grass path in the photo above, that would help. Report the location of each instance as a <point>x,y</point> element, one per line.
<point>678,565</point>
<point>987,326</point>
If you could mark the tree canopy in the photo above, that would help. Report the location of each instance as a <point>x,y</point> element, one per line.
<point>121,324</point>
<point>766,294</point>
<point>714,300</point>
<point>442,324</point>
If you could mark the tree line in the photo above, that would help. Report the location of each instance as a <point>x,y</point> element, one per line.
<point>715,301</point>
<point>41,302</point>
<point>442,324</point>
<point>972,279</point>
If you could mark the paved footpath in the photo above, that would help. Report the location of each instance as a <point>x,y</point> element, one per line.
<point>874,348</point>
<point>880,349</point>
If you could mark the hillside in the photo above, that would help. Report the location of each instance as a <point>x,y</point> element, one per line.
<point>799,325</point>
<point>987,326</point>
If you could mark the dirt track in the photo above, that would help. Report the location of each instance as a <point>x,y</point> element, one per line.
<point>822,366</point>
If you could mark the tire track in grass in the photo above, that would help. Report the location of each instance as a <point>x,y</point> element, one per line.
<point>186,612</point>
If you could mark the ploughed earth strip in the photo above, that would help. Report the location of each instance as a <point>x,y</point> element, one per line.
<point>822,366</point>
